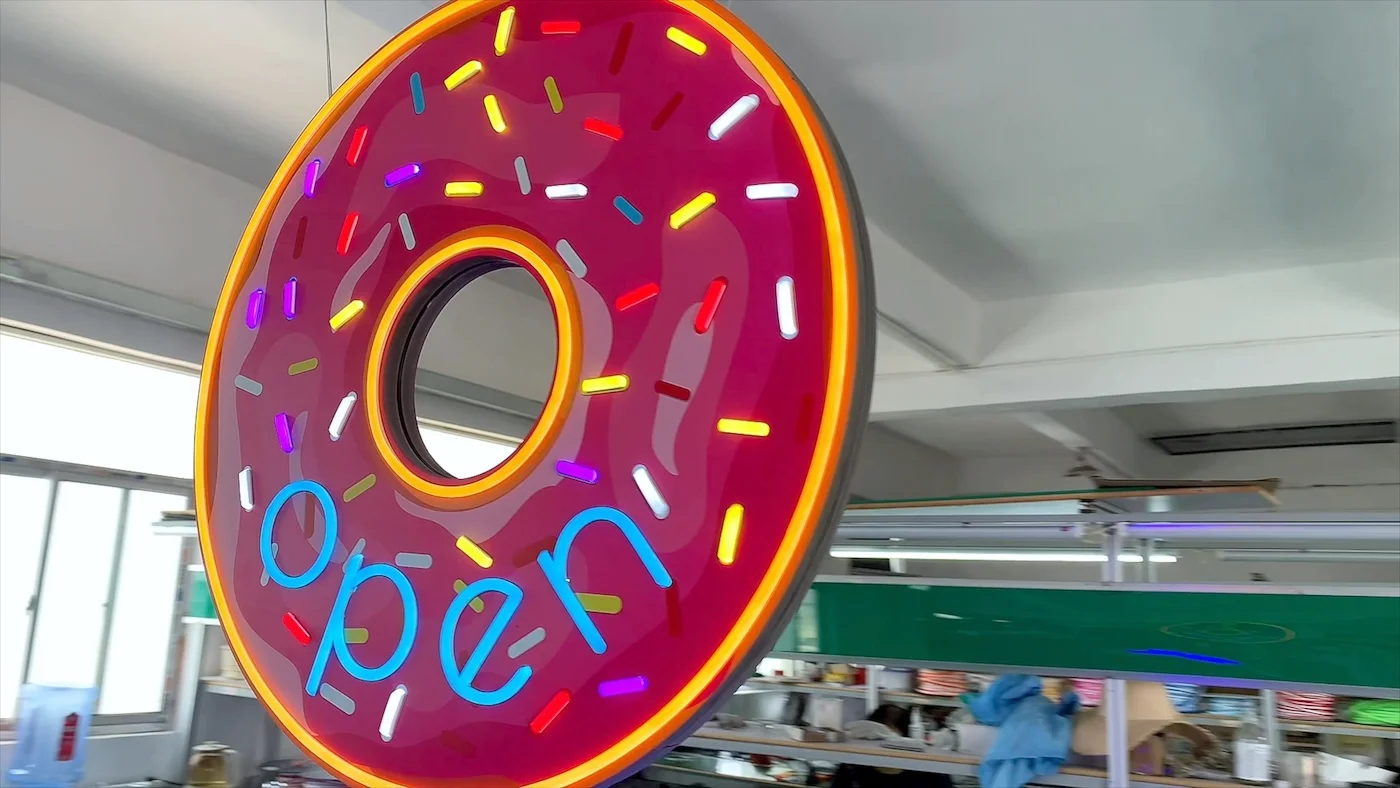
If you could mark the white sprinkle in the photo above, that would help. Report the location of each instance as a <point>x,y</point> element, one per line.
<point>771,191</point>
<point>787,308</point>
<point>390,720</point>
<point>566,191</point>
<point>414,560</point>
<point>571,258</point>
<point>245,488</point>
<point>337,699</point>
<point>522,175</point>
<point>342,413</point>
<point>359,546</point>
<point>651,492</point>
<point>731,117</point>
<point>409,241</point>
<point>248,384</point>
<point>265,578</point>
<point>532,638</point>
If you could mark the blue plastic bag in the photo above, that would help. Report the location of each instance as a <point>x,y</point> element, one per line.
<point>51,736</point>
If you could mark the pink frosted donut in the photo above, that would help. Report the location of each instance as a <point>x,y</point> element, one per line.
<point>553,621</point>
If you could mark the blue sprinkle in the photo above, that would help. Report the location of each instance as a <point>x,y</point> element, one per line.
<point>1161,652</point>
<point>415,84</point>
<point>627,209</point>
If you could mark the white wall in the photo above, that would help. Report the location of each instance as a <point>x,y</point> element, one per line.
<point>892,466</point>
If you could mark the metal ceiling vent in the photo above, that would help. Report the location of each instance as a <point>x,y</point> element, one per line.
<point>1294,436</point>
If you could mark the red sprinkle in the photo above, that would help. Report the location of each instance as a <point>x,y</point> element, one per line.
<point>632,298</point>
<point>551,710</point>
<point>347,231</point>
<point>298,631</point>
<point>673,611</point>
<point>301,238</point>
<point>667,111</point>
<point>668,389</point>
<point>602,128</point>
<point>560,27</point>
<point>706,316</point>
<point>357,145</point>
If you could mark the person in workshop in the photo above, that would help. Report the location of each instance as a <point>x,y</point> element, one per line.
<point>896,718</point>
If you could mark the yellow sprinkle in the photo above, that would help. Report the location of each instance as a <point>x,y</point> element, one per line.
<point>754,429</point>
<point>729,533</point>
<point>476,604</point>
<point>339,319</point>
<point>302,366</point>
<point>468,70</point>
<point>358,488</point>
<point>459,586</point>
<point>604,385</point>
<point>600,603</point>
<point>556,101</point>
<point>503,26</point>
<point>356,635</point>
<point>686,40</point>
<point>692,209</point>
<point>463,189</point>
<point>474,552</point>
<point>493,111</point>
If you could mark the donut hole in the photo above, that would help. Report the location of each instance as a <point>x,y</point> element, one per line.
<point>448,331</point>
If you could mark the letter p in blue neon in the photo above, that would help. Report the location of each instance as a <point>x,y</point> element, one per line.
<point>333,639</point>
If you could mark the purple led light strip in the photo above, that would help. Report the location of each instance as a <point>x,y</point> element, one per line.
<point>289,298</point>
<point>257,301</point>
<point>572,470</point>
<point>313,171</point>
<point>402,174</point>
<point>284,432</point>
<point>626,686</point>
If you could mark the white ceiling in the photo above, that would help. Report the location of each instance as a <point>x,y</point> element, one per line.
<point>977,435</point>
<point>1243,413</point>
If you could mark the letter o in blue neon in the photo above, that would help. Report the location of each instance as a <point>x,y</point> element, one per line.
<point>323,559</point>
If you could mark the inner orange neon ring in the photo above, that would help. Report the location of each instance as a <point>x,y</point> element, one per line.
<point>555,277</point>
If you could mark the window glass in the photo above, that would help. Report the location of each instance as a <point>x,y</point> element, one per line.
<point>24,504</point>
<point>463,455</point>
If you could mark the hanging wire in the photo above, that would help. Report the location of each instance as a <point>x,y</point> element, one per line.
<point>326,16</point>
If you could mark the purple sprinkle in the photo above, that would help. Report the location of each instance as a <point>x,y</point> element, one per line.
<point>289,298</point>
<point>313,171</point>
<point>257,300</point>
<point>625,686</point>
<point>402,174</point>
<point>573,470</point>
<point>284,432</point>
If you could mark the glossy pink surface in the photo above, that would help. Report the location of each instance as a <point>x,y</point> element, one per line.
<point>740,368</point>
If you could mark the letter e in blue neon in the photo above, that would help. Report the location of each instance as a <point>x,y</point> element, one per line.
<point>333,640</point>
<point>556,566</point>
<point>461,680</point>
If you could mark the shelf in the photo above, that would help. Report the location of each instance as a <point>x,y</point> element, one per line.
<point>847,691</point>
<point>1293,726</point>
<point>233,688</point>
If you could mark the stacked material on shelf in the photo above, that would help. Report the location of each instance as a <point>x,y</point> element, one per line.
<point>1375,712</point>
<point>942,683</point>
<point>1186,698</point>
<point>1311,706</point>
<point>1090,691</point>
<point>1229,705</point>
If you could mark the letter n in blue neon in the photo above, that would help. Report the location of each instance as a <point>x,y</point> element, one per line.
<point>334,638</point>
<point>556,566</point>
<point>461,680</point>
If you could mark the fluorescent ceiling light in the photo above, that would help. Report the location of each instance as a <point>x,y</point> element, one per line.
<point>1028,556</point>
<point>1311,556</point>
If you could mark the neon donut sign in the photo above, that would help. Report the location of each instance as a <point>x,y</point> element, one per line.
<point>563,617</point>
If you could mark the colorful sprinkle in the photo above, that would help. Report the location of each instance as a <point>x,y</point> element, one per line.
<point>295,627</point>
<point>303,366</point>
<point>753,429</point>
<point>566,191</point>
<point>531,552</point>
<point>551,89</point>
<point>414,560</point>
<point>356,635</point>
<point>313,173</point>
<point>619,54</point>
<point>402,174</point>
<point>347,232</point>
<point>642,294</point>
<point>692,209</point>
<point>602,128</point>
<point>647,486</point>
<point>415,89</point>
<point>627,686</point>
<point>522,175</point>
<point>532,638</point>
<point>248,384</point>
<point>551,710</point>
<point>463,189</point>
<point>627,209</point>
<point>468,70</point>
<point>729,533</point>
<point>358,488</point>
<point>685,40</point>
<point>560,27</point>
<point>265,578</point>
<point>572,470</point>
<point>604,385</point>
<point>667,110</point>
<point>342,415</point>
<point>289,298</point>
<point>392,708</point>
<point>245,488</point>
<point>503,26</point>
<point>257,302</point>
<point>474,552</point>
<point>476,604</point>
<point>357,146</point>
<point>337,699</point>
<point>493,112</point>
<point>409,240</point>
<point>673,611</point>
<point>731,117</point>
<point>787,308</point>
<point>284,432</point>
<point>710,305</point>
<point>605,604</point>
<point>300,239</point>
<point>571,258</point>
<point>771,191</point>
<point>668,389</point>
<point>346,314</point>
<point>356,550</point>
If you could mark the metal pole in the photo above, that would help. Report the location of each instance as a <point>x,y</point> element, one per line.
<point>872,688</point>
<point>1268,709</point>
<point>37,599</point>
<point>1149,569</point>
<point>1116,690</point>
<point>109,608</point>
